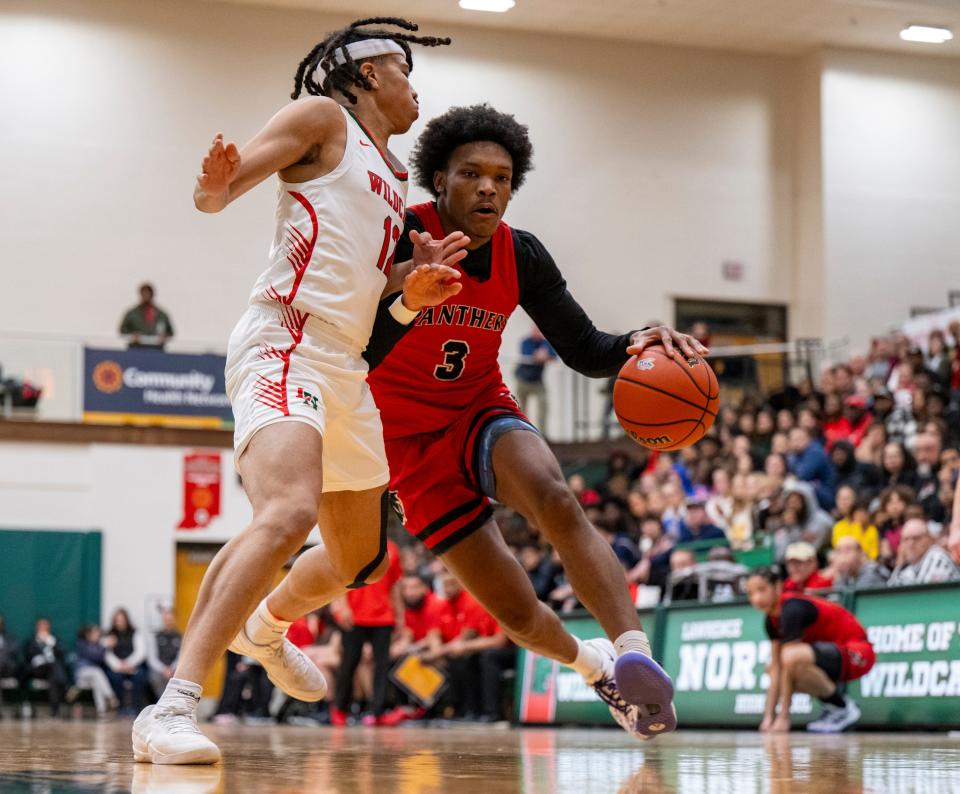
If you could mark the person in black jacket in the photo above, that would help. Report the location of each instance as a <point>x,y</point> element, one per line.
<point>864,478</point>
<point>43,661</point>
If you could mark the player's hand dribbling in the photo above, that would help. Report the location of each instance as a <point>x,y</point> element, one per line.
<point>429,285</point>
<point>671,340</point>
<point>220,167</point>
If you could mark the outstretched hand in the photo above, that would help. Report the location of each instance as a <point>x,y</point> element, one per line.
<point>429,285</point>
<point>676,345</point>
<point>448,251</point>
<point>220,167</point>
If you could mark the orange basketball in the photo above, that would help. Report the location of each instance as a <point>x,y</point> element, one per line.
<point>663,403</point>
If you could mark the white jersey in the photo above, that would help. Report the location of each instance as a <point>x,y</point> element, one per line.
<point>335,240</point>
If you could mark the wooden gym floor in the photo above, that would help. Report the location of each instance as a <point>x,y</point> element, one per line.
<point>57,756</point>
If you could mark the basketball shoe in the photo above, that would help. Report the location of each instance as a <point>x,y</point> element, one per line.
<point>287,667</point>
<point>654,714</point>
<point>169,735</point>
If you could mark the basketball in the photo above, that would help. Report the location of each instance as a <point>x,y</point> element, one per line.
<point>663,403</point>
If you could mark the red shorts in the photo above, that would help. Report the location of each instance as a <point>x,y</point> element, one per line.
<point>857,657</point>
<point>435,475</point>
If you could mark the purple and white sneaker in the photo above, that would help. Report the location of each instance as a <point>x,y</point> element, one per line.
<point>637,690</point>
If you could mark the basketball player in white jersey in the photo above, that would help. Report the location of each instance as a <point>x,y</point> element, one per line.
<point>308,438</point>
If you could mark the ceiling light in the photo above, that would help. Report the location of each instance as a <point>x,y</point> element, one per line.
<point>926,34</point>
<point>498,6</point>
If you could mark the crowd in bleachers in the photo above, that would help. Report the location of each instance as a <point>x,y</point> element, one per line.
<point>849,483</point>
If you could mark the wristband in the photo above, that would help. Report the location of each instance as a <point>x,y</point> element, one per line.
<point>401,313</point>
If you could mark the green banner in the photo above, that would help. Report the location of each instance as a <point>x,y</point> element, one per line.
<point>916,679</point>
<point>547,692</point>
<point>717,656</point>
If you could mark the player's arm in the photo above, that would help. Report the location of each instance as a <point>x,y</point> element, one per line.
<point>426,276</point>
<point>773,691</point>
<point>293,133</point>
<point>581,346</point>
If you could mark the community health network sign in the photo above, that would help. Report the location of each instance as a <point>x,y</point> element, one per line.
<point>145,386</point>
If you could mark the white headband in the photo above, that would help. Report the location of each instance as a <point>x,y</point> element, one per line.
<point>365,48</point>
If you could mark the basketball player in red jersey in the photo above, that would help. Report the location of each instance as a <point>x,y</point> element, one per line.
<point>456,438</point>
<point>815,646</point>
<point>308,439</point>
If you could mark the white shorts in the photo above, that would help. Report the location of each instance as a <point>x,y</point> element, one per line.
<point>285,366</point>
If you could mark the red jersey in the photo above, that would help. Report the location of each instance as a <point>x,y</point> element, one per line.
<point>427,618</point>
<point>462,613</point>
<point>449,358</point>
<point>373,605</point>
<point>812,619</point>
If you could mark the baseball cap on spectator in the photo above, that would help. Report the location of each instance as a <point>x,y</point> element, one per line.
<point>882,393</point>
<point>800,551</point>
<point>856,401</point>
<point>696,501</point>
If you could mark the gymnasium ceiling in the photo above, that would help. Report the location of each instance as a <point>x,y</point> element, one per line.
<point>784,27</point>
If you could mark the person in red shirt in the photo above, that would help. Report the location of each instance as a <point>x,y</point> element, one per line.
<point>851,425</point>
<point>455,437</point>
<point>803,569</point>
<point>422,612</point>
<point>475,651</point>
<point>368,614</point>
<point>815,646</point>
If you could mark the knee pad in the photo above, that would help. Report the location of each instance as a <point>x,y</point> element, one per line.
<point>489,436</point>
<point>360,580</point>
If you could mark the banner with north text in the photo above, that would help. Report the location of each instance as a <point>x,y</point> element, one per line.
<point>142,386</point>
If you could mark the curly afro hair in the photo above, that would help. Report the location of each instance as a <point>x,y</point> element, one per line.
<point>467,125</point>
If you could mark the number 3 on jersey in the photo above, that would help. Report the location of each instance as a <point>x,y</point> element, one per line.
<point>454,360</point>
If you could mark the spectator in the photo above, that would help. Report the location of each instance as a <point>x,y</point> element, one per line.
<point>89,670</point>
<point>927,449</point>
<point>535,354</point>
<point>369,614</point>
<point>853,569</point>
<point>720,504</point>
<point>163,651</point>
<point>898,466</point>
<point>540,568</point>
<point>126,654</point>
<point>654,568</point>
<point>802,519</point>
<point>43,661</point>
<point>863,478</point>
<point>146,324</point>
<point>621,543</point>
<point>683,584</point>
<point>803,572</point>
<point>740,529</point>
<point>854,522</point>
<point>893,513</point>
<point>696,526</point>
<point>923,561</point>
<point>938,359</point>
<point>870,450</point>
<point>246,692</point>
<point>474,650</point>
<point>8,652</point>
<point>810,462</point>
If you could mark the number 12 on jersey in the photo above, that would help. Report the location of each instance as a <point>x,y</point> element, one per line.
<point>455,353</point>
<point>390,232</point>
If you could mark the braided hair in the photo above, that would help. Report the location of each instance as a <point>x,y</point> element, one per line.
<point>342,76</point>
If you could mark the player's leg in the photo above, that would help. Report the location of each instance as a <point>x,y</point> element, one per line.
<point>821,678</point>
<point>484,565</point>
<point>353,526</point>
<point>282,474</point>
<point>516,464</point>
<point>528,479</point>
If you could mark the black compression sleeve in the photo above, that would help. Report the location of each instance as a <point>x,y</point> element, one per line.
<point>545,297</point>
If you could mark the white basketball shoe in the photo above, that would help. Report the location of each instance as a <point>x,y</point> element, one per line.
<point>169,735</point>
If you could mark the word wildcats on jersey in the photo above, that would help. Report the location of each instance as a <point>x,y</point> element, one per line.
<point>458,314</point>
<point>382,188</point>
